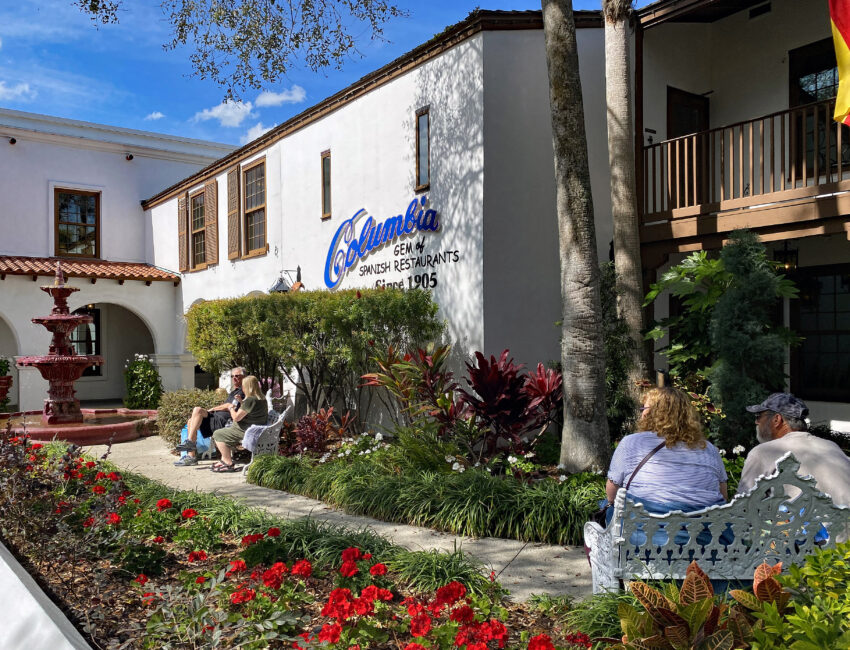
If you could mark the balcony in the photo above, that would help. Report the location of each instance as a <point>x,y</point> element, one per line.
<point>784,174</point>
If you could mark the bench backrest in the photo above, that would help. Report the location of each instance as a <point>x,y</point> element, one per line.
<point>728,541</point>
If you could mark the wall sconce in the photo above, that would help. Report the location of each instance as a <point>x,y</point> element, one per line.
<point>12,140</point>
<point>129,157</point>
<point>284,284</point>
<point>787,257</point>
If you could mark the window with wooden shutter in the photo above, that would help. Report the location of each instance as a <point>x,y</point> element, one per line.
<point>233,221</point>
<point>326,184</point>
<point>211,221</point>
<point>182,232</point>
<point>254,178</point>
<point>197,232</point>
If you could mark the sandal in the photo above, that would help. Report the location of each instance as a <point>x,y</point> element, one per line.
<point>222,468</point>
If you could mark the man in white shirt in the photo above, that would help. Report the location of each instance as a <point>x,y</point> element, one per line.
<point>780,428</point>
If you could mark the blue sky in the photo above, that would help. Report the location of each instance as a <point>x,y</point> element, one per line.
<point>54,61</point>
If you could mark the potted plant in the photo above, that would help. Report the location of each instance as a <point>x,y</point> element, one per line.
<point>5,383</point>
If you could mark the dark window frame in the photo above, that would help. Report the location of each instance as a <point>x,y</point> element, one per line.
<point>327,201</point>
<point>249,213</point>
<point>806,277</point>
<point>194,263</point>
<point>57,222</point>
<point>420,186</point>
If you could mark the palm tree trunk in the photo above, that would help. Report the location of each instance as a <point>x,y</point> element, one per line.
<point>585,442</point>
<point>623,192</point>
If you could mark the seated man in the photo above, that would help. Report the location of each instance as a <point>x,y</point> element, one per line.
<point>780,428</point>
<point>253,410</point>
<point>208,421</point>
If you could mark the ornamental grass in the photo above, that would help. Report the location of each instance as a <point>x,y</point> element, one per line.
<point>135,564</point>
<point>473,502</point>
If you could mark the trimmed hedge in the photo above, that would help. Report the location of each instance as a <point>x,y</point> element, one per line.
<point>471,503</point>
<point>176,407</point>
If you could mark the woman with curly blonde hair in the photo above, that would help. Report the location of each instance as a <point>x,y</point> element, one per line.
<point>668,465</point>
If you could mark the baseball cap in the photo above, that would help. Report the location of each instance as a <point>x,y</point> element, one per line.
<point>784,404</point>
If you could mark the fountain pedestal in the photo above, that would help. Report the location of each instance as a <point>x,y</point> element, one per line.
<point>61,366</point>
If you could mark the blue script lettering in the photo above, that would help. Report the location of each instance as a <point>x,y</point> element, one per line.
<point>346,248</point>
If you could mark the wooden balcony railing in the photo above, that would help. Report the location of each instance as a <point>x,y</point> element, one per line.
<point>785,155</point>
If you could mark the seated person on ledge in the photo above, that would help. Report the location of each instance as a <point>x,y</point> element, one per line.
<point>253,410</point>
<point>208,421</point>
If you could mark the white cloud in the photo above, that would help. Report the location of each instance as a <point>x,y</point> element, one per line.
<point>227,113</point>
<point>255,132</point>
<point>294,95</point>
<point>18,91</point>
<point>156,115</point>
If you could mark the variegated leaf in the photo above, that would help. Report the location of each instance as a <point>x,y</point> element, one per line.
<point>768,590</point>
<point>747,599</point>
<point>720,640</point>
<point>665,617</point>
<point>679,636</point>
<point>650,597</point>
<point>764,571</point>
<point>696,586</point>
<point>697,613</point>
<point>740,628</point>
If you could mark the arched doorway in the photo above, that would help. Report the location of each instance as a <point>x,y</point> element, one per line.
<point>9,350</point>
<point>117,334</point>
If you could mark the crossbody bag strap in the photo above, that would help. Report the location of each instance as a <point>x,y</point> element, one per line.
<point>641,464</point>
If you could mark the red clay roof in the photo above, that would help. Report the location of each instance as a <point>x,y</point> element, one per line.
<point>94,269</point>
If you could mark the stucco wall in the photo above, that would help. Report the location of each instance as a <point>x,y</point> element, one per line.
<point>522,299</point>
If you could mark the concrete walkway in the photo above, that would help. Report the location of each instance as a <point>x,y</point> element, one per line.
<point>531,569</point>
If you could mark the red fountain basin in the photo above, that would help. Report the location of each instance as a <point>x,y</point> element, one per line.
<point>99,426</point>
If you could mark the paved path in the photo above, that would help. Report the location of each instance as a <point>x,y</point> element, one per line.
<point>536,569</point>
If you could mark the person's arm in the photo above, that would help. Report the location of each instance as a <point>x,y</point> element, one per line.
<point>750,472</point>
<point>611,490</point>
<point>724,491</point>
<point>237,414</point>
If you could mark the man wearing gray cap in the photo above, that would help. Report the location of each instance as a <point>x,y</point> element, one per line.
<point>780,428</point>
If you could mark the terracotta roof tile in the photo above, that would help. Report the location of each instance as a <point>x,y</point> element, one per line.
<point>96,269</point>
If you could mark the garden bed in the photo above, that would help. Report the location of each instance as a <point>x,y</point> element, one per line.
<point>135,564</point>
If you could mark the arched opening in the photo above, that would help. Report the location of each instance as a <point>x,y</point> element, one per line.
<point>8,351</point>
<point>116,334</point>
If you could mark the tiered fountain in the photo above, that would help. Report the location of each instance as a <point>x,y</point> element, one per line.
<point>61,366</point>
<point>62,417</point>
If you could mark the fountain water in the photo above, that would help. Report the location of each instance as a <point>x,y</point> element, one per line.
<point>62,417</point>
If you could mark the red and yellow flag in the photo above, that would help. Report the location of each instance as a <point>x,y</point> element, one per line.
<point>839,13</point>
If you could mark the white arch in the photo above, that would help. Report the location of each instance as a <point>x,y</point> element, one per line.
<point>15,338</point>
<point>125,305</point>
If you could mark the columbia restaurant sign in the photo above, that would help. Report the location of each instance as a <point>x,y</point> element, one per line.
<point>348,247</point>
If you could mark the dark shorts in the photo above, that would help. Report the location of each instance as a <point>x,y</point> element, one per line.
<point>215,420</point>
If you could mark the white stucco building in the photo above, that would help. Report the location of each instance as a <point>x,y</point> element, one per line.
<point>73,192</point>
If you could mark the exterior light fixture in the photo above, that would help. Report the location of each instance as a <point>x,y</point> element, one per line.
<point>12,140</point>
<point>129,157</point>
<point>787,257</point>
<point>284,282</point>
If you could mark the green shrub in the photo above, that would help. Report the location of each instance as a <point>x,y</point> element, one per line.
<point>818,615</point>
<point>599,614</point>
<point>144,386</point>
<point>472,502</point>
<point>175,408</point>
<point>137,557</point>
<point>326,337</point>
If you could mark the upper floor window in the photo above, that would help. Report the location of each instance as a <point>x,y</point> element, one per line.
<point>77,217</point>
<point>198,244</point>
<point>254,178</point>
<point>423,149</point>
<point>326,184</point>
<point>813,73</point>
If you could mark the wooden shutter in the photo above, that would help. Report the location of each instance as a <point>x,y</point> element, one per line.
<point>211,222</point>
<point>233,220</point>
<point>182,233</point>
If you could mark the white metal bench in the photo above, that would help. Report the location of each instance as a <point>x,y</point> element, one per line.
<point>263,440</point>
<point>766,525</point>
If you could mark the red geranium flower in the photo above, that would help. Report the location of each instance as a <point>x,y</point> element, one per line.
<point>351,554</point>
<point>200,580</point>
<point>273,532</point>
<point>188,513</point>
<point>35,446</point>
<point>302,568</point>
<point>463,614</point>
<point>366,556</point>
<point>378,569</point>
<point>99,476</point>
<point>540,642</point>
<point>252,539</point>
<point>242,595</point>
<point>141,579</point>
<point>113,518</point>
<point>339,604</point>
<point>91,465</point>
<point>163,504</point>
<point>273,577</point>
<point>159,539</point>
<point>197,556</point>
<point>498,632</point>
<point>414,646</point>
<point>349,569</point>
<point>330,633</point>
<point>112,476</point>
<point>98,489</point>
<point>420,625</point>
<point>88,522</point>
<point>364,606</point>
<point>237,566</point>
